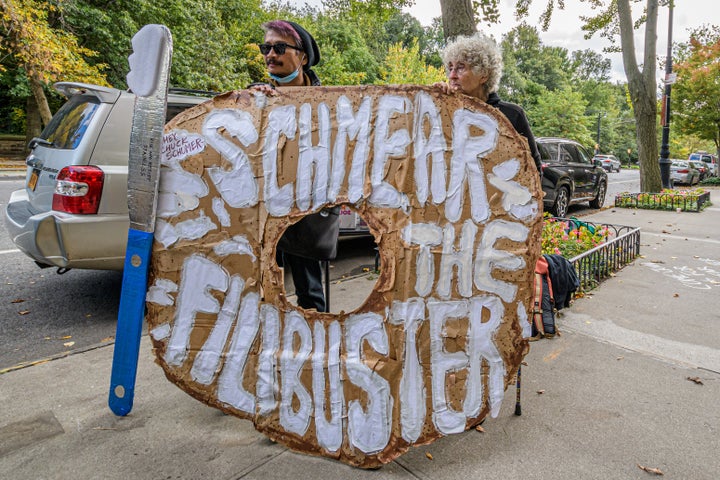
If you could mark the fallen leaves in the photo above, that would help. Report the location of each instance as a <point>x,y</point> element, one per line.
<point>676,295</point>
<point>696,380</point>
<point>480,429</point>
<point>68,344</point>
<point>655,471</point>
<point>18,300</point>
<point>540,392</point>
<point>23,312</point>
<point>428,455</point>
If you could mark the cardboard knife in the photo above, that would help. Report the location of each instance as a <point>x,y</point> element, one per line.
<point>148,80</point>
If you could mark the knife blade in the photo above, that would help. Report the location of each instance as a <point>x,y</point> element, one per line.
<point>148,80</point>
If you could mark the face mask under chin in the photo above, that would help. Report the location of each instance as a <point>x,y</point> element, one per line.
<point>288,78</point>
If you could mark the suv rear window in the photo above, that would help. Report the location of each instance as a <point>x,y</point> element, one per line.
<point>545,152</point>
<point>68,125</point>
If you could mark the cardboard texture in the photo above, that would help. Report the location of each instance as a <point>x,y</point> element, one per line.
<point>451,194</point>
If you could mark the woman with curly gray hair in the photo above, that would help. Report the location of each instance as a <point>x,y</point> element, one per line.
<point>474,67</point>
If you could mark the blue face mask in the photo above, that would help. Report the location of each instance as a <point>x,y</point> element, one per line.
<point>287,78</point>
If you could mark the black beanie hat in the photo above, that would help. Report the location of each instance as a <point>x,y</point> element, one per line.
<point>309,46</point>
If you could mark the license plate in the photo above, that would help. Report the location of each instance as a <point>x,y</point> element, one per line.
<point>32,182</point>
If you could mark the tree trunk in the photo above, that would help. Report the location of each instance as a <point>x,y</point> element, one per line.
<point>458,18</point>
<point>642,87</point>
<point>33,122</point>
<point>39,94</point>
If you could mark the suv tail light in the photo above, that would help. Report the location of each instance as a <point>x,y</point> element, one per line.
<point>78,190</point>
<point>684,170</point>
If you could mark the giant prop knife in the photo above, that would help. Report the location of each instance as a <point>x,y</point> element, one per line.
<point>148,80</point>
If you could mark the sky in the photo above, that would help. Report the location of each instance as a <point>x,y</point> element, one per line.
<point>565,30</point>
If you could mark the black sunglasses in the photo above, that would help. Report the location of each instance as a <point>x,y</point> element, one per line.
<point>279,47</point>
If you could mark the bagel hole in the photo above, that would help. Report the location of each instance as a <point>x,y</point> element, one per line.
<point>357,263</point>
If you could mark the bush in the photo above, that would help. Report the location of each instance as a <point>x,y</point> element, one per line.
<point>570,237</point>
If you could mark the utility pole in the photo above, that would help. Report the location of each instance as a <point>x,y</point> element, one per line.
<point>669,80</point>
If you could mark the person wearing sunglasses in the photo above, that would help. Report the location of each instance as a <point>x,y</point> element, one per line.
<point>290,52</point>
<point>474,66</point>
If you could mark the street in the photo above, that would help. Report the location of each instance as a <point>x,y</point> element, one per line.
<point>46,315</point>
<point>628,389</point>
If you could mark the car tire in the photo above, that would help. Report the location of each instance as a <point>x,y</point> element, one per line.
<point>562,202</point>
<point>599,199</point>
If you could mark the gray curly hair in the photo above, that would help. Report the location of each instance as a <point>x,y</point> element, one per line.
<point>480,52</point>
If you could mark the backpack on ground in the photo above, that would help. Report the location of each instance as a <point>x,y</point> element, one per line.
<point>543,324</point>
<point>555,284</point>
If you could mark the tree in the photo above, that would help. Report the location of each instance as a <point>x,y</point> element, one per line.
<point>561,113</point>
<point>407,66</point>
<point>696,94</point>
<point>45,54</point>
<point>531,68</point>
<point>460,17</point>
<point>616,16</point>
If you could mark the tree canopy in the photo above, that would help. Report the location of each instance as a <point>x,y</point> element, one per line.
<point>362,42</point>
<point>696,94</point>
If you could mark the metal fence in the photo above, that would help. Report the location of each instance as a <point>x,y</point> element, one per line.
<point>663,201</point>
<point>597,264</point>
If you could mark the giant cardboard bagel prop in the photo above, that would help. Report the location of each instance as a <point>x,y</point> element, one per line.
<point>451,195</point>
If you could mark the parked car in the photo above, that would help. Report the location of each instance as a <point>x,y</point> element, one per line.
<point>609,162</point>
<point>569,175</point>
<point>73,211</point>
<point>701,167</point>
<point>682,171</point>
<point>709,159</point>
<point>351,223</point>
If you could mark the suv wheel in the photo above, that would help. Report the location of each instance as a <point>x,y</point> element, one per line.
<point>598,201</point>
<point>562,201</point>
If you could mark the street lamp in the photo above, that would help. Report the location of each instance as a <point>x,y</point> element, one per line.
<point>669,80</point>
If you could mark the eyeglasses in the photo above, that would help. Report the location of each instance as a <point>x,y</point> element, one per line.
<point>279,48</point>
<point>459,68</point>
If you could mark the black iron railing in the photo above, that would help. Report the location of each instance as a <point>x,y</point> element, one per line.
<point>621,247</point>
<point>663,201</point>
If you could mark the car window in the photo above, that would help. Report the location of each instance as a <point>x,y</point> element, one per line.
<point>573,154</point>
<point>174,108</point>
<point>68,125</point>
<point>566,154</point>
<point>585,157</point>
<point>545,149</point>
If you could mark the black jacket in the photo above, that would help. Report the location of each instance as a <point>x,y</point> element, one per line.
<point>564,279</point>
<point>519,120</point>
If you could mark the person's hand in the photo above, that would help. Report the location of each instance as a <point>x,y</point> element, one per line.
<point>264,88</point>
<point>443,87</point>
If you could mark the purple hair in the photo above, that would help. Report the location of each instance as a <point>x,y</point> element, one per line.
<point>281,27</point>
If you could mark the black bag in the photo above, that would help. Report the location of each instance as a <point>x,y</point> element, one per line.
<point>315,236</point>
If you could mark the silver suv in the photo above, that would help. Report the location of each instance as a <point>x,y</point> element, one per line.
<point>73,212</point>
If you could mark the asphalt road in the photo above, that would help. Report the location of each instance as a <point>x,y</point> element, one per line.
<point>43,314</point>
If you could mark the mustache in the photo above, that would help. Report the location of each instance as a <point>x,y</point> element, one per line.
<point>273,62</point>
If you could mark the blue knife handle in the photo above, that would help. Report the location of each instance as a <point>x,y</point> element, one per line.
<point>130,321</point>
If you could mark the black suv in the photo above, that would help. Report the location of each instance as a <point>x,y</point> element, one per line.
<point>570,175</point>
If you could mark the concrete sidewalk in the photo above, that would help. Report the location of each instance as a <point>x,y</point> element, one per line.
<point>12,168</point>
<point>609,395</point>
